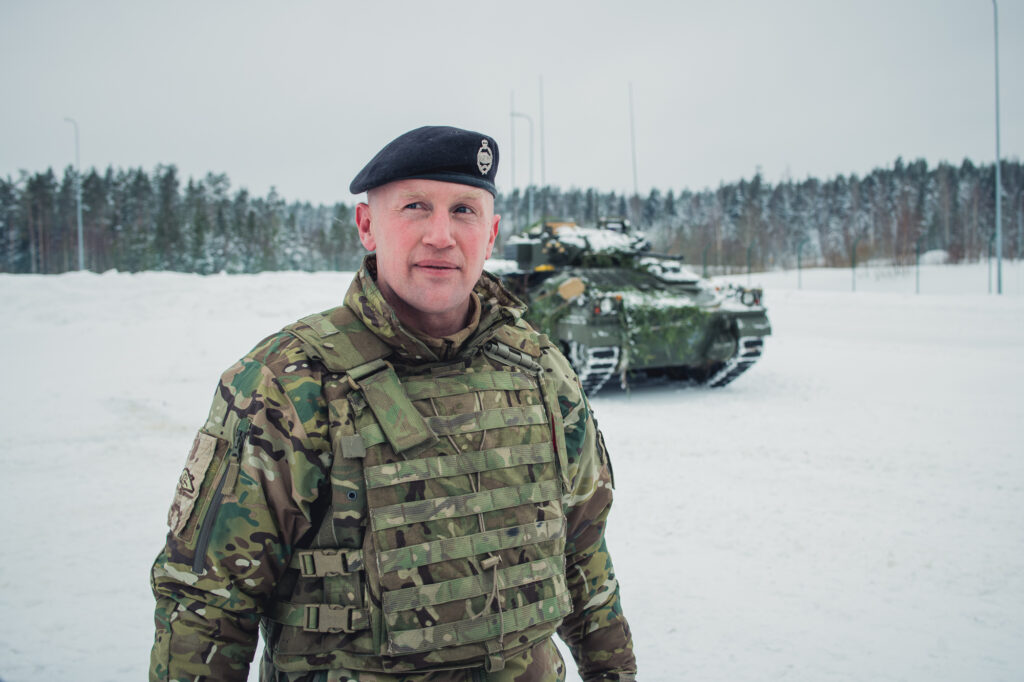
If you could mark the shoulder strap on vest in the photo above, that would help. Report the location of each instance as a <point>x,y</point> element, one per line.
<point>339,339</point>
<point>520,345</point>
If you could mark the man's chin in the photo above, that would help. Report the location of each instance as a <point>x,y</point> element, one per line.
<point>428,300</point>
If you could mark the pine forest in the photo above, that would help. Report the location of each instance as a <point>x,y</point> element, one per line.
<point>136,220</point>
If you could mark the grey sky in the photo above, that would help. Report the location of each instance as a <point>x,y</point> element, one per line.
<point>301,94</point>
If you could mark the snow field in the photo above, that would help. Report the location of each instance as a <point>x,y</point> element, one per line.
<point>852,508</point>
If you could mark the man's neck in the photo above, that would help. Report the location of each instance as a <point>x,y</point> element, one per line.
<point>447,346</point>
<point>437,325</point>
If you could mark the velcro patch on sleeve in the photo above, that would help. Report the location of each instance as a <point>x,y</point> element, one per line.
<point>199,459</point>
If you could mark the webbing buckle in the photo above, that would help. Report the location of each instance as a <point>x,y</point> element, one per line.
<point>329,618</point>
<point>319,563</point>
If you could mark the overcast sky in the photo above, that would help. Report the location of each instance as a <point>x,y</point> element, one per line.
<point>300,95</point>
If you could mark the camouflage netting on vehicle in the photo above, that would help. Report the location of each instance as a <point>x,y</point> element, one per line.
<point>620,311</point>
<point>658,333</point>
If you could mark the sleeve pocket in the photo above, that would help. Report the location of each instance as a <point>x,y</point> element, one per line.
<point>195,485</point>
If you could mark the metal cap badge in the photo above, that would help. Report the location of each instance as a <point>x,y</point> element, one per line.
<point>484,158</point>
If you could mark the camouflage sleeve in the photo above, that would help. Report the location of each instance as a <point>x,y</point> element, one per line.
<point>597,631</point>
<point>245,497</point>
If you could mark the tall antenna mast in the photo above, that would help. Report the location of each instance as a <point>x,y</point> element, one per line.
<point>632,139</point>
<point>543,180</point>
<point>512,137</point>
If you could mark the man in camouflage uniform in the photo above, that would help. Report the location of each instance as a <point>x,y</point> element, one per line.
<point>410,486</point>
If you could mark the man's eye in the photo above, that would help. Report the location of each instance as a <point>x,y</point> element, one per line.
<point>414,205</point>
<point>463,209</point>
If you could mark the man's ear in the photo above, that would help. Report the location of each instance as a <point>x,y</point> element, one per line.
<point>363,224</point>
<point>494,234</point>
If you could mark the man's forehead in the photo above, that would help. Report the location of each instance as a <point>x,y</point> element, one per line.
<point>421,189</point>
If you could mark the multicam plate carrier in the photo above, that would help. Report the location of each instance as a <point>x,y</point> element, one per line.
<point>444,546</point>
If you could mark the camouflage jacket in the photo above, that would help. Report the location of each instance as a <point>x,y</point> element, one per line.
<point>210,602</point>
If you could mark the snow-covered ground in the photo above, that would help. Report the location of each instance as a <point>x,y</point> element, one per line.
<point>850,509</point>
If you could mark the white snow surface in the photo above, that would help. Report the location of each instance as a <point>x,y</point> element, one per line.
<point>595,239</point>
<point>852,508</point>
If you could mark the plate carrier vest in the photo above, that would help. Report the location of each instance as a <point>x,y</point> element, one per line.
<point>444,546</point>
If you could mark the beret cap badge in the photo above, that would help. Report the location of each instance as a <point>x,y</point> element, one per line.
<point>484,158</point>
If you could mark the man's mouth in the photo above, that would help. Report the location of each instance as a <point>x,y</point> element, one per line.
<point>436,265</point>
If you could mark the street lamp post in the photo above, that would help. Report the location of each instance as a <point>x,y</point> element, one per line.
<point>917,264</point>
<point>529,189</point>
<point>78,197</point>
<point>750,249</point>
<point>1020,223</point>
<point>799,252</point>
<point>999,184</point>
<point>853,264</point>
<point>991,237</point>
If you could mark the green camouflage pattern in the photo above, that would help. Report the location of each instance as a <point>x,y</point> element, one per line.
<point>601,288</point>
<point>271,478</point>
<point>438,593</point>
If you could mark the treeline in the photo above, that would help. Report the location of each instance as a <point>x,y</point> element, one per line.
<point>133,220</point>
<point>888,214</point>
<point>136,220</point>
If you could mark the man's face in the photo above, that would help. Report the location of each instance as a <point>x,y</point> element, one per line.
<point>431,239</point>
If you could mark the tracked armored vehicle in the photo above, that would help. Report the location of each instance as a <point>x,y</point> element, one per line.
<point>620,311</point>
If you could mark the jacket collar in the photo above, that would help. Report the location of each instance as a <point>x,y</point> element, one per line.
<point>498,307</point>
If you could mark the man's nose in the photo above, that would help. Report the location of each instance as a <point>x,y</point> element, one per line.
<point>439,231</point>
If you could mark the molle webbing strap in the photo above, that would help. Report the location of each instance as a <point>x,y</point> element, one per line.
<point>440,387</point>
<point>472,586</point>
<point>480,629</point>
<point>321,618</point>
<point>339,339</point>
<point>470,545</point>
<point>470,422</point>
<point>458,506</point>
<point>473,422</point>
<point>458,464</point>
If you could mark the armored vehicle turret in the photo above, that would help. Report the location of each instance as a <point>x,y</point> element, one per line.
<point>620,311</point>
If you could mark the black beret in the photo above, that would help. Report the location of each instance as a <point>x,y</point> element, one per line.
<point>433,153</point>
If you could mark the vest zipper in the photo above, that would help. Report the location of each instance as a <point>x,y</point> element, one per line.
<point>233,462</point>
